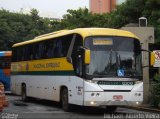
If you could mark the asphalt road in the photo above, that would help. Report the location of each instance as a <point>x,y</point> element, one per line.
<point>43,109</point>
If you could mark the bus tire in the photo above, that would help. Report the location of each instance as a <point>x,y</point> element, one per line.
<point>24,94</point>
<point>64,98</point>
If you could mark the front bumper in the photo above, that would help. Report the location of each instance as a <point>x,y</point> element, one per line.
<point>113,98</point>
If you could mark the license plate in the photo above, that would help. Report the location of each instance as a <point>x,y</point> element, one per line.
<point>117,97</point>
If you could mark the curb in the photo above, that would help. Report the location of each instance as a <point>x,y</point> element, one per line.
<point>141,108</point>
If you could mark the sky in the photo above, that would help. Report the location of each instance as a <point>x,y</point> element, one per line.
<point>46,8</point>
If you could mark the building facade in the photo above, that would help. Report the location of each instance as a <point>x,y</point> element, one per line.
<point>103,6</point>
<point>146,36</point>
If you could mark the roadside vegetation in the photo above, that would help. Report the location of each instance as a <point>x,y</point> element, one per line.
<point>16,27</point>
<point>155,92</point>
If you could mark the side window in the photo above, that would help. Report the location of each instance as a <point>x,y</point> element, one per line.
<point>19,53</point>
<point>66,41</point>
<point>31,55</point>
<point>40,50</point>
<point>50,48</point>
<point>36,51</point>
<point>14,54</point>
<point>23,53</point>
<point>58,48</point>
<point>78,43</point>
<point>27,52</point>
<point>62,45</point>
<point>53,48</point>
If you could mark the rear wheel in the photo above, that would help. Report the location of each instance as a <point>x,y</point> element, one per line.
<point>64,98</point>
<point>24,94</point>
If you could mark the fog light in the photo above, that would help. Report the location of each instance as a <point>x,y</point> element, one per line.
<point>137,103</point>
<point>92,102</point>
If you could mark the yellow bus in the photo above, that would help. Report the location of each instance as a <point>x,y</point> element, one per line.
<point>84,66</point>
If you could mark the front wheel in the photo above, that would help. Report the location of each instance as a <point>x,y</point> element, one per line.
<point>64,97</point>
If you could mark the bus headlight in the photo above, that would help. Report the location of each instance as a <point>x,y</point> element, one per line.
<point>92,103</point>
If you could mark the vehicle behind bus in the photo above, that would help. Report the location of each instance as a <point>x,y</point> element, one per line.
<point>5,63</point>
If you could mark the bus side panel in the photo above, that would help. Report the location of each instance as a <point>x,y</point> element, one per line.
<point>76,90</point>
<point>48,87</point>
<point>15,83</point>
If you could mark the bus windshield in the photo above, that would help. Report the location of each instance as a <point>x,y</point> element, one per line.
<point>114,57</point>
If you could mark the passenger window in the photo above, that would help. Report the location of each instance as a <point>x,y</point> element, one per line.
<point>50,48</point>
<point>58,48</point>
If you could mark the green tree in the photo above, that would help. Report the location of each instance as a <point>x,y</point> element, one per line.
<point>6,32</point>
<point>76,18</point>
<point>128,12</point>
<point>34,15</point>
<point>18,27</point>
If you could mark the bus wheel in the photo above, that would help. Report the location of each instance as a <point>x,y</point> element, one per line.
<point>24,96</point>
<point>64,98</point>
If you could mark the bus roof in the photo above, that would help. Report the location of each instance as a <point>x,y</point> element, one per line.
<point>84,32</point>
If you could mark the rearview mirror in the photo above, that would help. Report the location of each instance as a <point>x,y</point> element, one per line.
<point>87,57</point>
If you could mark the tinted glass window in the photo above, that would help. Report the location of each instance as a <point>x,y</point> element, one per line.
<point>5,62</point>
<point>52,48</point>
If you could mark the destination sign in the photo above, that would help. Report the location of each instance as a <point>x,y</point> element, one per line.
<point>102,41</point>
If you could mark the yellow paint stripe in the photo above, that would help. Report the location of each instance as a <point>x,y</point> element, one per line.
<point>58,64</point>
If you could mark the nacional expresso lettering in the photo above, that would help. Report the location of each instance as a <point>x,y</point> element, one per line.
<point>47,65</point>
